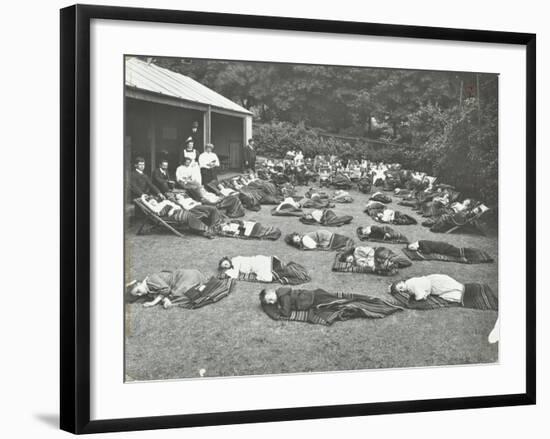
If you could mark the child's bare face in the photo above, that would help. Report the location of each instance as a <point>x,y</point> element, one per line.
<point>140,289</point>
<point>270,297</point>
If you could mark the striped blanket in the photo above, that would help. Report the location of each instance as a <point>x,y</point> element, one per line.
<point>467,256</point>
<point>349,267</point>
<point>213,291</point>
<point>476,296</point>
<point>345,306</point>
<point>291,273</point>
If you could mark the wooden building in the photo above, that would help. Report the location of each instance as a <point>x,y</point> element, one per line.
<point>161,107</point>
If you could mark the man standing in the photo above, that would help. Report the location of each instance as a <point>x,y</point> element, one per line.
<point>249,156</point>
<point>209,164</point>
<point>140,183</point>
<point>161,178</point>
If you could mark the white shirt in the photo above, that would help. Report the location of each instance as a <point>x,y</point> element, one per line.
<point>317,215</point>
<point>206,158</point>
<point>184,173</point>
<point>226,191</point>
<point>387,216</point>
<point>188,203</point>
<point>191,154</point>
<point>309,242</point>
<point>289,201</point>
<point>435,284</point>
<point>364,256</point>
<point>260,265</point>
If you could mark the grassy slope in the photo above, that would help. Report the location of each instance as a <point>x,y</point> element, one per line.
<point>234,336</point>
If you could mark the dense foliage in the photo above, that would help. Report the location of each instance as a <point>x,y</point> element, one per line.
<point>444,123</point>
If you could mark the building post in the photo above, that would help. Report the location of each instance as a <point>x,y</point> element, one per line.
<point>208,126</point>
<point>153,130</point>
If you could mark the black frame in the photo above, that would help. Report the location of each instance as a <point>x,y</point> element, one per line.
<point>75,214</point>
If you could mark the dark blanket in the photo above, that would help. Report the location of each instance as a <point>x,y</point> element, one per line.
<point>213,291</point>
<point>329,219</point>
<point>466,255</point>
<point>382,198</point>
<point>249,200</point>
<point>476,296</point>
<point>337,307</point>
<point>341,181</point>
<point>231,206</point>
<point>382,234</point>
<point>364,185</point>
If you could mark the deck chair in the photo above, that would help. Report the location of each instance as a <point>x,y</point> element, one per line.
<point>151,220</point>
<point>471,222</point>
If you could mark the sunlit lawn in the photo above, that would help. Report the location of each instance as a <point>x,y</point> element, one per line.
<point>234,336</point>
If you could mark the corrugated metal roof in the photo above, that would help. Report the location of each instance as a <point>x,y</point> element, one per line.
<point>153,78</point>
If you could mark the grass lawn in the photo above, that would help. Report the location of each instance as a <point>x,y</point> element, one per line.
<point>235,337</point>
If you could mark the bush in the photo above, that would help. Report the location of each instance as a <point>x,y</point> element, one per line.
<point>450,144</point>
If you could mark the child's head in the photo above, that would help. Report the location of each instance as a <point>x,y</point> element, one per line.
<point>268,296</point>
<point>294,239</point>
<point>139,288</point>
<point>398,287</point>
<point>225,263</point>
<point>365,230</point>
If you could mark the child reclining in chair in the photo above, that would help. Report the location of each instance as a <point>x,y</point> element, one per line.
<point>161,206</point>
<point>448,221</point>
<point>187,212</point>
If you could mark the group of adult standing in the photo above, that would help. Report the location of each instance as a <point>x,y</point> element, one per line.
<point>193,168</point>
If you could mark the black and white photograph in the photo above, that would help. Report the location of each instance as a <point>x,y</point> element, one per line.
<point>286,218</point>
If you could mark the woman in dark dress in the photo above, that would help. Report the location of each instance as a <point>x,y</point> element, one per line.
<point>249,156</point>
